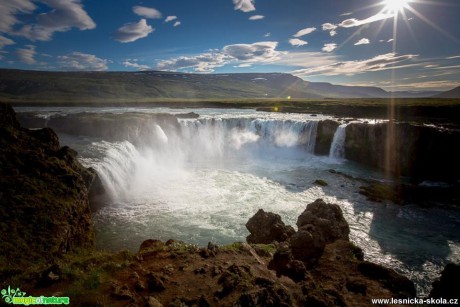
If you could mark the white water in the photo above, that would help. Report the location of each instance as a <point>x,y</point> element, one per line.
<point>337,150</point>
<point>203,182</point>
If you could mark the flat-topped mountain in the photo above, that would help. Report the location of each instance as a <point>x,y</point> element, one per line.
<point>49,86</point>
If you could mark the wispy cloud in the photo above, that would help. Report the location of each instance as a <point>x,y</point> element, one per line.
<point>353,22</point>
<point>134,64</point>
<point>303,32</point>
<point>256,17</point>
<point>82,61</point>
<point>377,63</point>
<point>27,55</point>
<point>131,32</point>
<point>329,47</point>
<point>63,16</point>
<point>170,18</point>
<point>297,42</point>
<point>362,41</point>
<point>4,41</point>
<point>206,62</point>
<point>260,52</point>
<point>9,10</point>
<point>268,34</point>
<point>147,12</point>
<point>453,57</point>
<point>177,23</point>
<point>244,5</point>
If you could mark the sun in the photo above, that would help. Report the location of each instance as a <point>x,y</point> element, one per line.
<point>395,6</point>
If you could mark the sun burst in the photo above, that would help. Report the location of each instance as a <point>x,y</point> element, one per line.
<point>396,6</point>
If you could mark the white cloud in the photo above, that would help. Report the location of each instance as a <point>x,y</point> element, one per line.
<point>27,55</point>
<point>353,22</point>
<point>304,32</point>
<point>390,40</point>
<point>346,14</point>
<point>147,12</point>
<point>268,34</point>
<point>453,57</point>
<point>8,11</point>
<point>241,54</point>
<point>4,41</point>
<point>297,42</point>
<point>256,17</point>
<point>63,16</point>
<point>329,47</point>
<point>131,32</point>
<point>330,27</point>
<point>244,5</point>
<point>134,64</point>
<point>362,41</point>
<point>256,52</point>
<point>177,23</point>
<point>170,18</point>
<point>205,62</point>
<point>244,65</point>
<point>377,63</point>
<point>82,61</point>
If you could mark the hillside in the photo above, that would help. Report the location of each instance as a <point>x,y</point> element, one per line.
<point>453,93</point>
<point>19,85</point>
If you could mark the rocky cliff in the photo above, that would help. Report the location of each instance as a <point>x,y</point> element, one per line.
<point>44,207</point>
<point>401,149</point>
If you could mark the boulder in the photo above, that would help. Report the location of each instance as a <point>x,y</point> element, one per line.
<point>307,245</point>
<point>327,221</point>
<point>267,227</point>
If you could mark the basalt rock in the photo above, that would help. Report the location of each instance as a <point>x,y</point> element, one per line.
<point>44,206</point>
<point>324,136</point>
<point>267,227</point>
<point>420,152</point>
<point>327,219</point>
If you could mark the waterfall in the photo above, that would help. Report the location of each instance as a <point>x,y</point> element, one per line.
<point>131,170</point>
<point>337,150</point>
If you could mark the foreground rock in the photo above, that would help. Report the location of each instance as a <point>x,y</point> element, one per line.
<point>267,227</point>
<point>44,207</point>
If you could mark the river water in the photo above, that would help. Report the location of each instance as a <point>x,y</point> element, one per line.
<point>204,181</point>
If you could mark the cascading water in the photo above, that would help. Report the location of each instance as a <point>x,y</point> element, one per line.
<point>337,150</point>
<point>200,180</point>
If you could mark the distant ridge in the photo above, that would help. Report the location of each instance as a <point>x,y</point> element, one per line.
<point>25,85</point>
<point>453,93</point>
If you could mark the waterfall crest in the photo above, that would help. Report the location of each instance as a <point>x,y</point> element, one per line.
<point>129,169</point>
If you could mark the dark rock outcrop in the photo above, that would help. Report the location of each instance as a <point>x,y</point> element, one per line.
<point>420,152</point>
<point>267,227</point>
<point>324,136</point>
<point>138,128</point>
<point>330,269</point>
<point>327,219</point>
<point>44,206</point>
<point>447,286</point>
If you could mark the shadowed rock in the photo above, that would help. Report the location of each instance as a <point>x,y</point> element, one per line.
<point>267,227</point>
<point>447,286</point>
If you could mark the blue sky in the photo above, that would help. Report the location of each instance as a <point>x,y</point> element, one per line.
<point>396,45</point>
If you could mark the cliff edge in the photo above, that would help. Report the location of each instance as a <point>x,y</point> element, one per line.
<point>44,206</point>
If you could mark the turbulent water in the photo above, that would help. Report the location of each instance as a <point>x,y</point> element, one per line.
<point>203,180</point>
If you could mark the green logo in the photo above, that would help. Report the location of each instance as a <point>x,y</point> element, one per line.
<point>9,294</point>
<point>16,297</point>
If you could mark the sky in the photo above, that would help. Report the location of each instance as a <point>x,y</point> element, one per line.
<point>397,45</point>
